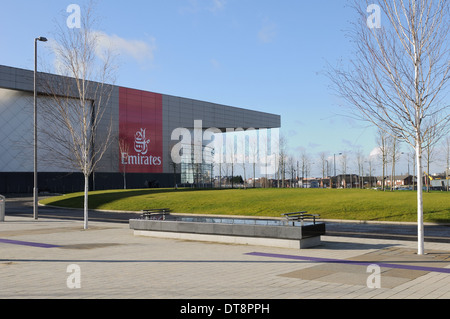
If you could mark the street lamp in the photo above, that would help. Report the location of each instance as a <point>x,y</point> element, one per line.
<point>35,188</point>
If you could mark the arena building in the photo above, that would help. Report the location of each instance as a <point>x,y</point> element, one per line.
<point>142,121</point>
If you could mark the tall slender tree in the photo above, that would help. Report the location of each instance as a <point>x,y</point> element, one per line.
<point>398,77</point>
<point>77,130</point>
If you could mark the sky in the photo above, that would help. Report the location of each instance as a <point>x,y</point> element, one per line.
<point>263,55</point>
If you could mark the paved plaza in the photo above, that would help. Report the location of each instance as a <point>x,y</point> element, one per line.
<point>51,258</point>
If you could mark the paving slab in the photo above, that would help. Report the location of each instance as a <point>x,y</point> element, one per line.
<point>37,260</point>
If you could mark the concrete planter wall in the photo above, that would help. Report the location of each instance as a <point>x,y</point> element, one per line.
<point>265,232</point>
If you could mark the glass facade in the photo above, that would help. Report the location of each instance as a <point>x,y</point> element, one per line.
<point>198,174</point>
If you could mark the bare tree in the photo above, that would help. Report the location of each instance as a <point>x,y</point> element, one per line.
<point>282,143</point>
<point>115,157</point>
<point>253,153</point>
<point>231,154</point>
<point>304,162</point>
<point>76,130</point>
<point>241,156</point>
<point>370,162</point>
<point>394,148</point>
<point>324,165</point>
<point>344,163</point>
<point>400,73</point>
<point>447,157</point>
<point>360,163</point>
<point>429,154</point>
<point>291,166</point>
<point>382,141</point>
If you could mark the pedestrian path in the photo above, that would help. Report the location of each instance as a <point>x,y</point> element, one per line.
<point>58,259</point>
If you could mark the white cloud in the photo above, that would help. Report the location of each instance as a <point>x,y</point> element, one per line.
<point>141,51</point>
<point>138,50</point>
<point>375,152</point>
<point>58,66</point>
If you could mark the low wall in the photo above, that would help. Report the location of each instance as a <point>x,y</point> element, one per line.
<point>237,231</point>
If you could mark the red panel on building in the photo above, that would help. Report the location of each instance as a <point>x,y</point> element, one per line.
<point>140,131</point>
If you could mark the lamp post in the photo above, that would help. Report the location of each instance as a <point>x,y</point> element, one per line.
<point>35,188</point>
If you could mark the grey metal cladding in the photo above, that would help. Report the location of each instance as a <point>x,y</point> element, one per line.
<point>177,111</point>
<point>183,112</point>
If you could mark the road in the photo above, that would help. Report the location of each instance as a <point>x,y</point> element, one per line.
<point>22,206</point>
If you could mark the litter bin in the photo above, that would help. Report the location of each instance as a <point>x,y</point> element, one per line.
<point>2,208</point>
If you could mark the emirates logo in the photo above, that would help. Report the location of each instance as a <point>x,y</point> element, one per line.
<point>140,142</point>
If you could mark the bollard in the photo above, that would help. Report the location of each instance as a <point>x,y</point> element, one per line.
<point>2,208</point>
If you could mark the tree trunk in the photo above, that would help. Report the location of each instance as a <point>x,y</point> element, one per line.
<point>86,190</point>
<point>420,230</point>
<point>418,119</point>
<point>384,174</point>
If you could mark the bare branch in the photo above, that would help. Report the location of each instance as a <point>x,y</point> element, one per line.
<point>78,132</point>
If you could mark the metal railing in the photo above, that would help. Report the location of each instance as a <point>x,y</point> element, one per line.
<point>155,214</point>
<point>300,216</point>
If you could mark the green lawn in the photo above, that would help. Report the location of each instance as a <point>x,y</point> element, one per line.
<point>353,204</point>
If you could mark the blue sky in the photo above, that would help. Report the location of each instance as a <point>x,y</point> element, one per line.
<point>263,55</point>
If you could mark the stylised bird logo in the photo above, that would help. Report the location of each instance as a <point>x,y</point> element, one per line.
<point>140,142</point>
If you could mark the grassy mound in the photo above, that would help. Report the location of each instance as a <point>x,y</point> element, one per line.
<point>346,204</point>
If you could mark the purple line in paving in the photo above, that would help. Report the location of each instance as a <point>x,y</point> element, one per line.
<point>26,243</point>
<point>352,262</point>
